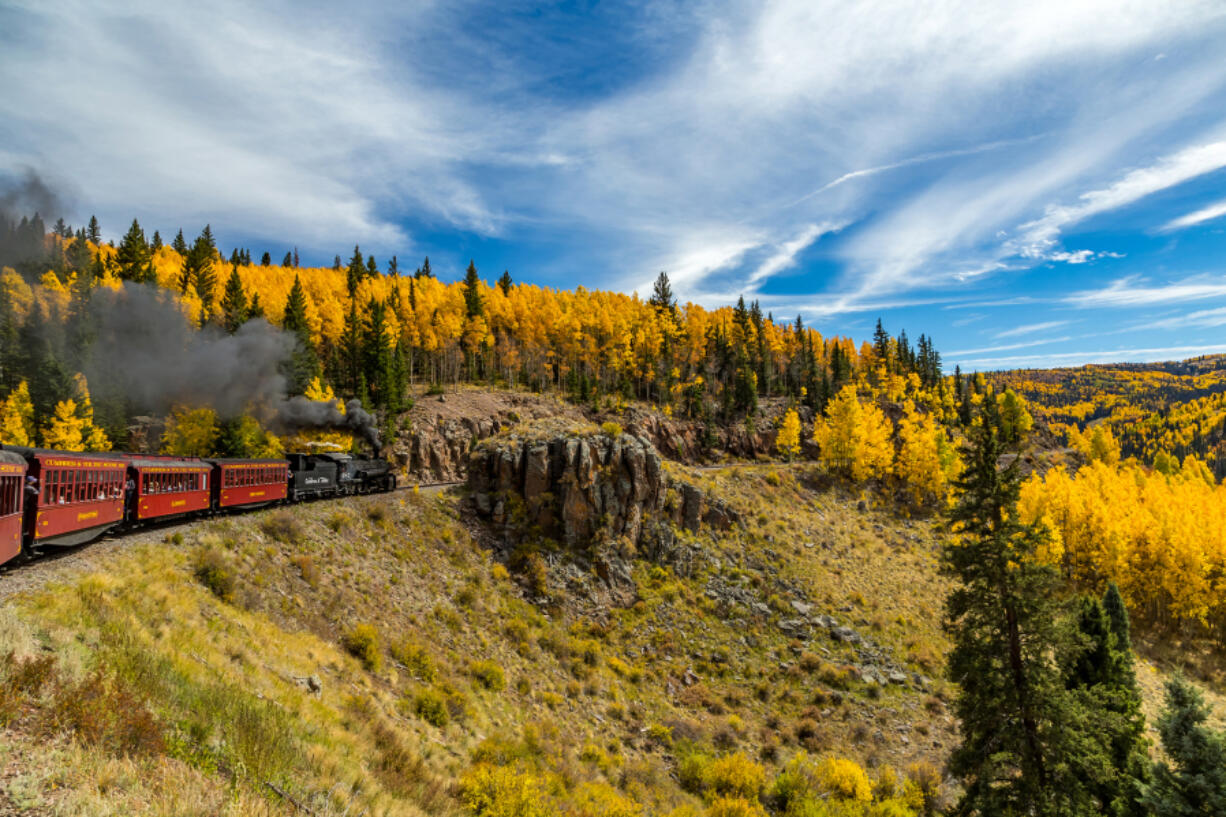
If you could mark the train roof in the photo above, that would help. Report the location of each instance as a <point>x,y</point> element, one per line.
<point>185,464</point>
<point>243,461</point>
<point>12,457</point>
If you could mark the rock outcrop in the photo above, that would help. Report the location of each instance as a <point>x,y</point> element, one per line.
<point>444,429</point>
<point>588,489</point>
<point>575,488</point>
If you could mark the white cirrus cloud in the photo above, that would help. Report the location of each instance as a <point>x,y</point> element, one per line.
<point>1133,291</point>
<point>1204,214</point>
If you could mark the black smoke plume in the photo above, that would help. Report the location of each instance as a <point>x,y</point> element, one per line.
<point>144,352</point>
<point>27,205</point>
<point>29,195</point>
<point>299,412</point>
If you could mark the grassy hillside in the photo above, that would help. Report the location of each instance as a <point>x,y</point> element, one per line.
<point>367,654</point>
<point>373,656</point>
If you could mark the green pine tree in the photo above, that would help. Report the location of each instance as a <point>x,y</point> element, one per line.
<point>94,232</point>
<point>179,245</point>
<point>355,271</point>
<point>662,295</point>
<point>1025,748</point>
<point>472,291</point>
<point>255,309</point>
<point>234,303</point>
<point>1192,781</point>
<point>505,283</point>
<point>303,364</point>
<point>378,367</point>
<point>133,254</point>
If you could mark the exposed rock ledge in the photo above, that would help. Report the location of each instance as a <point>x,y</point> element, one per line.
<point>587,489</point>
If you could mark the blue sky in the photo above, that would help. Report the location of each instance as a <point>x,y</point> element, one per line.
<point>1029,183</point>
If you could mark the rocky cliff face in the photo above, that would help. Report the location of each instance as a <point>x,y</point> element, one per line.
<point>587,489</point>
<point>445,428</point>
<point>692,441</point>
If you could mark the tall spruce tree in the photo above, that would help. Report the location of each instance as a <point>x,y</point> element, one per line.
<point>662,295</point>
<point>179,244</point>
<point>1024,750</point>
<point>303,364</point>
<point>1191,782</point>
<point>133,254</point>
<point>355,271</point>
<point>504,282</point>
<point>472,291</point>
<point>94,232</point>
<point>233,303</point>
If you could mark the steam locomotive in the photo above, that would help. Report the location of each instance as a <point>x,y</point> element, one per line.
<point>58,498</point>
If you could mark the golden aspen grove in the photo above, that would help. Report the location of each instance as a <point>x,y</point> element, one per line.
<point>1145,509</point>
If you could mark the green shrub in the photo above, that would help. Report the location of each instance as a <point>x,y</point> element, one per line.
<point>488,674</point>
<point>213,571</point>
<point>415,659</point>
<point>282,526</point>
<point>431,706</point>
<point>362,642</point>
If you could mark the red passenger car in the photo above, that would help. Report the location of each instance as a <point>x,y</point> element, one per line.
<point>12,477</point>
<point>80,497</point>
<point>169,487</point>
<point>249,482</point>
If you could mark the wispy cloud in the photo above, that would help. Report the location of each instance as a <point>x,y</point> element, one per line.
<point>785,255</point>
<point>1134,291</point>
<point>1029,329</point>
<point>959,354</point>
<point>1203,318</point>
<point>1040,235</point>
<point>914,160</point>
<point>1197,217</point>
<point>1081,358</point>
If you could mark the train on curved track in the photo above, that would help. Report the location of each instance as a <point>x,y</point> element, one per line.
<point>60,498</point>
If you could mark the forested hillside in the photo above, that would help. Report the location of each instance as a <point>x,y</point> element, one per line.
<point>1060,508</point>
<point>372,331</point>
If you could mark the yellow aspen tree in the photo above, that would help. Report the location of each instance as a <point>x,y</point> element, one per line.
<point>64,431</point>
<point>854,438</point>
<point>918,462</point>
<point>787,441</point>
<point>1103,446</point>
<point>94,438</point>
<point>190,432</point>
<point>17,417</point>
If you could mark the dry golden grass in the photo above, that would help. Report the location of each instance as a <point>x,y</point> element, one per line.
<point>465,673</point>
